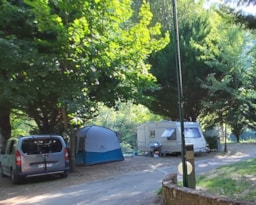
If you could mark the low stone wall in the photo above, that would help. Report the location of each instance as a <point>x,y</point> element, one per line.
<point>176,195</point>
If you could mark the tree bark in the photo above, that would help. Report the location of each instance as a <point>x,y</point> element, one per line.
<point>73,150</point>
<point>5,123</point>
<point>72,139</point>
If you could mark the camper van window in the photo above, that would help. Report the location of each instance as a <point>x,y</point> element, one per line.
<point>152,133</point>
<point>192,132</point>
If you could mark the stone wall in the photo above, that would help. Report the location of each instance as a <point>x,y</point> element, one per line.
<point>176,195</point>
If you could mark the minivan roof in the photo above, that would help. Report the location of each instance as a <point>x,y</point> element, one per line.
<point>37,136</point>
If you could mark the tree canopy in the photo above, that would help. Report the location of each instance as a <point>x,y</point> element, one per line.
<point>73,55</point>
<point>59,59</point>
<point>231,98</point>
<point>195,33</point>
<point>216,61</point>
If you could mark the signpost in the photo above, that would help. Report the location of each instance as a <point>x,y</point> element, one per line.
<point>180,93</point>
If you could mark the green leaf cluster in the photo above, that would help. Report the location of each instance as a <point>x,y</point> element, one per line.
<point>72,55</point>
<point>195,35</point>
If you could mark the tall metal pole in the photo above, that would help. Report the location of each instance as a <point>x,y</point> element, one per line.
<point>180,93</point>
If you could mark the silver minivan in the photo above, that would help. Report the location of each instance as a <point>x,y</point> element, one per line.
<point>36,155</point>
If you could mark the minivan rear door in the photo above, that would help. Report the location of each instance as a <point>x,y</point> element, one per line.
<point>54,154</point>
<point>42,155</point>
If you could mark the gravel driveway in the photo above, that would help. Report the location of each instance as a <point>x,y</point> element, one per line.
<point>16,194</point>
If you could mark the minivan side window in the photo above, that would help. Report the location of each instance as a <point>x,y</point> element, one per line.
<point>41,146</point>
<point>11,147</point>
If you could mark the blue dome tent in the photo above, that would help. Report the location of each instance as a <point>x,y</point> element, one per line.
<point>97,145</point>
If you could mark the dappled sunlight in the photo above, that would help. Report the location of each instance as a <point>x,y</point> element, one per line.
<point>120,196</point>
<point>76,193</point>
<point>252,178</point>
<point>73,191</point>
<point>156,165</point>
<point>231,155</point>
<point>29,200</point>
<point>233,180</point>
<point>239,154</point>
<point>206,164</point>
<point>237,150</point>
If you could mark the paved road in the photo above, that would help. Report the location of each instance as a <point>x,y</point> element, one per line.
<point>126,189</point>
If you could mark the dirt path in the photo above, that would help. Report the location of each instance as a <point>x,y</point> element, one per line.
<point>10,193</point>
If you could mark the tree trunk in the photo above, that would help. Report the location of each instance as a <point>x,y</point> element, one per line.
<point>5,123</point>
<point>72,140</point>
<point>237,138</point>
<point>237,131</point>
<point>73,150</point>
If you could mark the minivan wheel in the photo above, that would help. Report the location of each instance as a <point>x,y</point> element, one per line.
<point>14,178</point>
<point>64,175</point>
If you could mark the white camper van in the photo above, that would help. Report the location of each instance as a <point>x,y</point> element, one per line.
<point>167,134</point>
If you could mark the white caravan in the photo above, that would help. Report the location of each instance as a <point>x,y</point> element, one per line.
<point>167,134</point>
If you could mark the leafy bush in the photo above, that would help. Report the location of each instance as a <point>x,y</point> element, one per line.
<point>212,142</point>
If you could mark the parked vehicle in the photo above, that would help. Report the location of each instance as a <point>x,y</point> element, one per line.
<point>32,156</point>
<point>167,134</point>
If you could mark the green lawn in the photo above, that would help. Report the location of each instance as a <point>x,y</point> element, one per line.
<point>237,180</point>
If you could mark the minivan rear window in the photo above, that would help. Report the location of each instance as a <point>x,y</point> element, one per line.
<point>41,146</point>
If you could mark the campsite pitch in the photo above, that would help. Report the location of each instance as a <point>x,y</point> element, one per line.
<point>13,194</point>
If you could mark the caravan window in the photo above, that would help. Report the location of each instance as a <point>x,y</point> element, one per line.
<point>170,134</point>
<point>192,132</point>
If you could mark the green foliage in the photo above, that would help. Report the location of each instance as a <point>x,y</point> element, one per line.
<point>212,142</point>
<point>73,55</point>
<point>114,50</point>
<point>195,32</point>
<point>225,102</point>
<point>58,59</point>
<point>217,64</point>
<point>124,120</point>
<point>160,191</point>
<point>234,180</point>
<point>22,125</point>
<point>15,50</point>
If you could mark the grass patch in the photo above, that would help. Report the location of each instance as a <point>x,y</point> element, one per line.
<point>237,180</point>
<point>159,191</point>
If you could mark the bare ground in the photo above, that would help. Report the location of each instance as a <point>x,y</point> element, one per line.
<point>10,194</point>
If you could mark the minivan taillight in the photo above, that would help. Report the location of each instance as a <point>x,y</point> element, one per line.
<point>18,159</point>
<point>66,154</point>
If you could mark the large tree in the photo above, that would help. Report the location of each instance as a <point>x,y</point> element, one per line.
<point>80,53</point>
<point>248,92</point>
<point>231,93</point>
<point>15,50</point>
<point>100,53</point>
<point>195,32</point>
<point>225,102</point>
